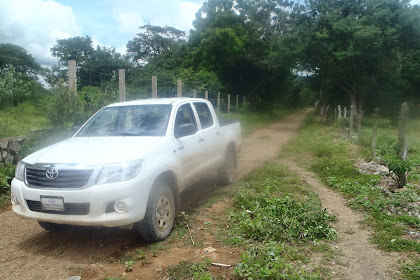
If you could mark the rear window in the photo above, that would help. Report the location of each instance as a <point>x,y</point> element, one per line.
<point>204,114</point>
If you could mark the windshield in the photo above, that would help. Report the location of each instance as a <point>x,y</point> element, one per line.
<point>136,120</point>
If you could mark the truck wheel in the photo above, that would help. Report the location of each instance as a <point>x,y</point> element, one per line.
<point>160,214</point>
<point>51,226</point>
<point>227,172</point>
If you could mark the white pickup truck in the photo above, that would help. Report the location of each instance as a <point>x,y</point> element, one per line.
<point>127,165</point>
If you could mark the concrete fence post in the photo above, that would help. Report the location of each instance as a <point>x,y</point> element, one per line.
<point>228,109</point>
<point>345,112</point>
<point>154,86</point>
<point>403,143</point>
<point>72,78</point>
<point>339,111</point>
<point>218,101</point>
<point>374,133</point>
<point>194,93</point>
<point>206,95</point>
<point>121,76</point>
<point>351,122</point>
<point>179,88</point>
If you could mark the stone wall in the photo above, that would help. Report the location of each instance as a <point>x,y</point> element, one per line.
<point>9,148</point>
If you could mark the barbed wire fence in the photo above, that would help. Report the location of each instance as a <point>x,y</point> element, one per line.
<point>143,87</point>
<point>356,117</point>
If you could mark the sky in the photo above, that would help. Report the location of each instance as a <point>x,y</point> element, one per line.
<point>36,24</point>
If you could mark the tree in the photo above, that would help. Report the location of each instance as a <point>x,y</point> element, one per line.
<point>355,45</point>
<point>18,57</point>
<point>76,48</point>
<point>16,87</point>
<point>153,41</point>
<point>95,67</point>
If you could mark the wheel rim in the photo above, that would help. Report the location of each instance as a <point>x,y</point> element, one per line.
<point>163,213</point>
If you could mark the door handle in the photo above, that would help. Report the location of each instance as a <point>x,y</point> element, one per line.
<point>200,140</point>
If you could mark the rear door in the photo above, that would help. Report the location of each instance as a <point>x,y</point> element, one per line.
<point>211,143</point>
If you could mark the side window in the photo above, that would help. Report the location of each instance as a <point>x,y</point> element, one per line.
<point>204,114</point>
<point>185,123</point>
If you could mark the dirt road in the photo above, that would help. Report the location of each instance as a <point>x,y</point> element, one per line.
<point>29,252</point>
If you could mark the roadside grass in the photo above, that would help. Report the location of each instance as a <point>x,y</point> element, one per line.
<point>280,223</point>
<point>20,120</point>
<point>392,215</point>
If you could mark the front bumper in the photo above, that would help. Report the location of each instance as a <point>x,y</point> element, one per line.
<point>99,198</point>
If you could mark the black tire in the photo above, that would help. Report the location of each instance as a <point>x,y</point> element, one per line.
<point>51,226</point>
<point>227,172</point>
<point>160,214</point>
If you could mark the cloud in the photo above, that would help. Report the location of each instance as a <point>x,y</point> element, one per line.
<point>35,25</point>
<point>129,15</point>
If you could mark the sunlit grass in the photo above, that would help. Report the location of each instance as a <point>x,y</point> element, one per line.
<point>19,120</point>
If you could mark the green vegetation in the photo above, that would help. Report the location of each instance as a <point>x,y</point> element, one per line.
<point>190,270</point>
<point>6,175</point>
<point>392,215</point>
<point>275,217</point>
<point>19,120</point>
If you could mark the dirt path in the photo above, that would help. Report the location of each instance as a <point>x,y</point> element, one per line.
<point>28,252</point>
<point>359,259</point>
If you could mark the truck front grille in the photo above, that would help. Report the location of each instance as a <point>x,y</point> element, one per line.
<point>66,179</point>
<point>69,208</point>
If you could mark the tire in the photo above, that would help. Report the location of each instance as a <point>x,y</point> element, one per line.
<point>51,226</point>
<point>227,172</point>
<point>160,214</point>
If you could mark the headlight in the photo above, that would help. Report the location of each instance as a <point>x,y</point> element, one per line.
<point>20,171</point>
<point>119,172</point>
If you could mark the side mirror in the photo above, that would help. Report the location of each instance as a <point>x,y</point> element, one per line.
<point>184,130</point>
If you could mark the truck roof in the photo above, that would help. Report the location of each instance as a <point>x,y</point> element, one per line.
<point>174,101</point>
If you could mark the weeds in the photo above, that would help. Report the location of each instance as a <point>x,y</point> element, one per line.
<point>189,269</point>
<point>275,217</point>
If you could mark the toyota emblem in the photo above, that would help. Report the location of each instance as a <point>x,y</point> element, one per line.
<point>52,174</point>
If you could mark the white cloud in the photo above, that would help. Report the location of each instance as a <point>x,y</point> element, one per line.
<point>128,22</point>
<point>35,25</point>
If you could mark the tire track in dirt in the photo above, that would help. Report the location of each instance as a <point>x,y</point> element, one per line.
<point>359,259</point>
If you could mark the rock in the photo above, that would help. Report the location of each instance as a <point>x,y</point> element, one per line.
<point>74,278</point>
<point>14,146</point>
<point>3,143</point>
<point>9,158</point>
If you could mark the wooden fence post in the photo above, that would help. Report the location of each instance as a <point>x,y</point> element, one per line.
<point>72,78</point>
<point>154,86</point>
<point>121,76</point>
<point>206,95</point>
<point>374,133</point>
<point>339,111</point>
<point>194,93</point>
<point>345,112</point>
<point>351,122</point>
<point>179,88</point>
<point>228,103</point>
<point>403,143</point>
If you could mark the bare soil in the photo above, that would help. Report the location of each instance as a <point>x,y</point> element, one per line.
<point>29,252</point>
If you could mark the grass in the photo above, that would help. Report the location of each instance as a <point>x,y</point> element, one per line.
<point>389,214</point>
<point>20,120</point>
<point>279,221</point>
<point>251,121</point>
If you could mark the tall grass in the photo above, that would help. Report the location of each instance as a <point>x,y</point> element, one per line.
<point>19,120</point>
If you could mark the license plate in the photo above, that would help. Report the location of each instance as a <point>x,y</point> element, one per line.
<point>52,203</point>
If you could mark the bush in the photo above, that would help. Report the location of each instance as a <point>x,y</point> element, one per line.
<point>6,175</point>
